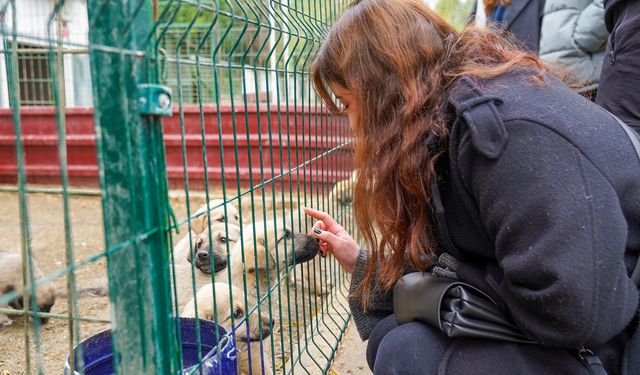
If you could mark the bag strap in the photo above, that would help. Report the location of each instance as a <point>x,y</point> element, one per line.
<point>591,362</point>
<point>633,137</point>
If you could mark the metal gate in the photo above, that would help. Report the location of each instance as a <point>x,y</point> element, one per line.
<point>199,107</point>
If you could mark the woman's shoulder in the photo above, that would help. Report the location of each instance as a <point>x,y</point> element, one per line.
<point>490,111</point>
<point>520,95</point>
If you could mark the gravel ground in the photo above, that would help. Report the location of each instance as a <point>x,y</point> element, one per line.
<point>350,358</point>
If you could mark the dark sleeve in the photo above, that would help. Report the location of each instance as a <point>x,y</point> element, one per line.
<point>560,237</point>
<point>381,304</point>
<point>612,10</point>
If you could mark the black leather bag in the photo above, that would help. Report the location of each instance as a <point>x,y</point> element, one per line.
<point>456,308</point>
<point>461,310</point>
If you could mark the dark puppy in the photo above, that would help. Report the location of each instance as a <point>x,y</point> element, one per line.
<point>11,280</point>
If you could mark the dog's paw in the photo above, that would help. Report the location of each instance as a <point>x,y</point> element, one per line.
<point>5,321</point>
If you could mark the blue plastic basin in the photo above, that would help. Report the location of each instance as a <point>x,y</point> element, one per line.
<point>98,352</point>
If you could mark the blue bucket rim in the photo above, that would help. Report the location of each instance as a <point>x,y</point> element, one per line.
<point>227,338</point>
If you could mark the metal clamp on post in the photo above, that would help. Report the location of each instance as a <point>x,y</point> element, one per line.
<point>154,100</point>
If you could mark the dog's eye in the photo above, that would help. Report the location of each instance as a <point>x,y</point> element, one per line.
<point>222,239</point>
<point>220,219</point>
<point>238,314</point>
<point>199,243</point>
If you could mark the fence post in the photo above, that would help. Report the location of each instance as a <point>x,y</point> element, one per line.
<point>134,189</point>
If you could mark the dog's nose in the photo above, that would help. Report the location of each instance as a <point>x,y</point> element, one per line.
<point>203,256</point>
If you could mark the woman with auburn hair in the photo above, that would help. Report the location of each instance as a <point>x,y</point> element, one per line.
<point>467,146</point>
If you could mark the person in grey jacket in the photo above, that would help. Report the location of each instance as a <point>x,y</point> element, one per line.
<point>468,146</point>
<point>573,38</point>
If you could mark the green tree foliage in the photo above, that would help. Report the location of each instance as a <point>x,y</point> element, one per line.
<point>456,12</point>
<point>228,37</point>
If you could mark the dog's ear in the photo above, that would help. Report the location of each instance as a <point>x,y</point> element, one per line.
<point>249,259</point>
<point>199,224</point>
<point>268,254</point>
<point>233,234</point>
<point>262,254</point>
<point>208,314</point>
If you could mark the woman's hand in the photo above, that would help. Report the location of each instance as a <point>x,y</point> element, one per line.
<point>333,238</point>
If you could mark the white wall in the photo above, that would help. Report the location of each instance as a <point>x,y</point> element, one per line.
<point>34,27</point>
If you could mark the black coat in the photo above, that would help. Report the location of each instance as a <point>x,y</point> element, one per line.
<point>523,19</point>
<point>542,199</point>
<point>619,89</point>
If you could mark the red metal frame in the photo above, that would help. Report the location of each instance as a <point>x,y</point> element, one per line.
<point>319,134</point>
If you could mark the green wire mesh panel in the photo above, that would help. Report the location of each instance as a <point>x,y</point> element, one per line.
<point>244,67</point>
<point>198,214</point>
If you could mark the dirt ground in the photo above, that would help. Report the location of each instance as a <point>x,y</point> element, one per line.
<point>350,357</point>
<point>48,246</point>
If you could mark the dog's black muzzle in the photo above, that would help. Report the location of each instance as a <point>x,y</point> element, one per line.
<point>306,248</point>
<point>203,262</point>
<point>266,331</point>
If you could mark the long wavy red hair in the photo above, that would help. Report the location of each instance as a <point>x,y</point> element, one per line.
<point>399,59</point>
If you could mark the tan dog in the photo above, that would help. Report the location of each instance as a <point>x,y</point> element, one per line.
<point>11,280</point>
<point>313,276</point>
<point>231,303</point>
<point>216,215</point>
<point>267,250</point>
<point>210,248</point>
<point>215,242</point>
<point>224,310</point>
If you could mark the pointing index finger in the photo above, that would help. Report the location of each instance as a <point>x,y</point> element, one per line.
<point>325,217</point>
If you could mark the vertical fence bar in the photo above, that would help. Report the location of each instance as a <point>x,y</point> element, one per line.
<point>11,56</point>
<point>56,72</point>
<point>133,181</point>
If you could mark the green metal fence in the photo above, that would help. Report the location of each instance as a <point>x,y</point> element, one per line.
<point>112,257</point>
